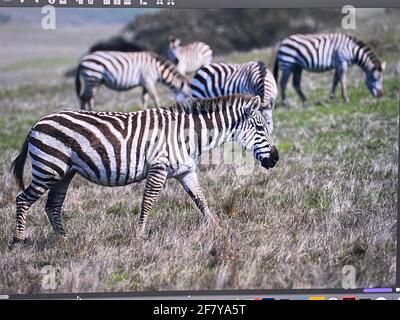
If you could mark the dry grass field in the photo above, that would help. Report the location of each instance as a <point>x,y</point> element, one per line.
<point>331,201</point>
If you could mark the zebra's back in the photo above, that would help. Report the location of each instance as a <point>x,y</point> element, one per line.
<point>314,52</point>
<point>116,69</point>
<point>221,79</point>
<point>102,146</point>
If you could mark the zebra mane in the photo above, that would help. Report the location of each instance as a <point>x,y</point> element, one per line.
<point>200,106</point>
<point>263,72</point>
<point>370,53</point>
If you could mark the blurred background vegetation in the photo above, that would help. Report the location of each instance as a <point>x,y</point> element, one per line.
<point>225,30</point>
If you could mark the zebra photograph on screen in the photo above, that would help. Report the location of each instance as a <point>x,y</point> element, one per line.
<point>323,52</point>
<point>116,149</point>
<point>251,78</point>
<point>191,57</point>
<point>121,71</point>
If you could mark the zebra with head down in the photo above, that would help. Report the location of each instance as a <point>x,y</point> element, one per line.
<point>322,52</point>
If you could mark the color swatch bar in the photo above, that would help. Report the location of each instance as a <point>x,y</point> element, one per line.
<point>377,290</point>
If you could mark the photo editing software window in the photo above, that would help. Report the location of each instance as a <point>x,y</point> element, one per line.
<point>194,150</point>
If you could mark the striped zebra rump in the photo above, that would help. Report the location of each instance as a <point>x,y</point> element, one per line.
<point>96,145</point>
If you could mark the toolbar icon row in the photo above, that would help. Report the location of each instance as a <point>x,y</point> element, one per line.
<point>105,2</point>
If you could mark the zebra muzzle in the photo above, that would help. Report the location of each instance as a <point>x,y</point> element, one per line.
<point>271,161</point>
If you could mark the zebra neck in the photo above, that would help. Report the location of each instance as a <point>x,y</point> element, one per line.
<point>211,138</point>
<point>171,77</point>
<point>363,57</point>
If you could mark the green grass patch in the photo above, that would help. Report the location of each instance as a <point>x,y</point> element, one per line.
<point>318,199</point>
<point>13,131</point>
<point>120,209</point>
<point>285,146</point>
<point>118,276</point>
<point>37,64</point>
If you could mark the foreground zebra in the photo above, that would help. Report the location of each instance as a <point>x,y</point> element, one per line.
<point>252,78</point>
<point>322,52</point>
<point>117,149</point>
<point>126,70</point>
<point>191,57</point>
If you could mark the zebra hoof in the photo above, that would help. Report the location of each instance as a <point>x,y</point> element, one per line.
<point>61,238</point>
<point>15,241</point>
<point>214,224</point>
<point>141,234</point>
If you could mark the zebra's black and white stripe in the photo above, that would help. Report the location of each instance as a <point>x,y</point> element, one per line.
<point>126,70</point>
<point>252,78</point>
<point>190,57</point>
<point>117,149</point>
<point>322,52</point>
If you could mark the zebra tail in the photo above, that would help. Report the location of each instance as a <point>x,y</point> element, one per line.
<point>78,82</point>
<point>276,69</point>
<point>19,163</point>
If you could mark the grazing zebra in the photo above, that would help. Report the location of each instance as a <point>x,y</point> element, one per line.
<point>252,78</point>
<point>191,57</point>
<point>126,70</point>
<point>322,52</point>
<point>117,149</point>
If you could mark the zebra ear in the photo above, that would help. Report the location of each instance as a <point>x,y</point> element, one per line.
<point>383,66</point>
<point>253,105</point>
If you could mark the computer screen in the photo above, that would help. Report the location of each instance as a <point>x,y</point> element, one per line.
<point>172,149</point>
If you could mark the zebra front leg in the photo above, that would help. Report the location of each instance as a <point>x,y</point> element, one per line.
<point>335,82</point>
<point>155,182</point>
<point>55,200</point>
<point>151,89</point>
<point>145,98</point>
<point>343,83</point>
<point>192,186</point>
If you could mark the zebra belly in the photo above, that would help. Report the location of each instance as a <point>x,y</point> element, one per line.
<point>119,86</point>
<point>123,82</point>
<point>107,169</point>
<point>123,180</point>
<point>318,69</point>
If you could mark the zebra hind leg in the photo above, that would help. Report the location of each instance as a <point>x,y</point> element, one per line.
<point>87,97</point>
<point>155,182</point>
<point>283,84</point>
<point>24,201</point>
<point>55,200</point>
<point>297,84</point>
